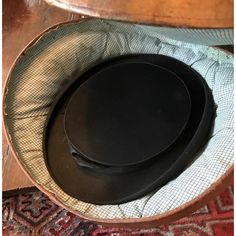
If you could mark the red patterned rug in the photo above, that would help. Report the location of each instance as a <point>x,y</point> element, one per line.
<point>34,214</point>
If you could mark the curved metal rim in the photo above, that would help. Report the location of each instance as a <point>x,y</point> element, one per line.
<point>133,18</point>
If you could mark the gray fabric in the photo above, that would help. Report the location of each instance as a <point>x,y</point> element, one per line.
<point>196,36</point>
<point>47,66</point>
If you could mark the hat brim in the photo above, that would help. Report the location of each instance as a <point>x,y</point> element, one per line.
<point>95,188</point>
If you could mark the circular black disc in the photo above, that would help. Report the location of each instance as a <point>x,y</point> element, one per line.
<point>98,188</point>
<point>127,113</point>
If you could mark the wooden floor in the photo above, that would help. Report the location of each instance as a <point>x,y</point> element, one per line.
<point>22,21</point>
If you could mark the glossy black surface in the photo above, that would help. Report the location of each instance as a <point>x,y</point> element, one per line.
<point>127,114</point>
<point>89,186</point>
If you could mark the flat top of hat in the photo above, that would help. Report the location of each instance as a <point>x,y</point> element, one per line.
<point>127,113</point>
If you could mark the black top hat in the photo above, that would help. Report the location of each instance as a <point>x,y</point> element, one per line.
<point>126,127</point>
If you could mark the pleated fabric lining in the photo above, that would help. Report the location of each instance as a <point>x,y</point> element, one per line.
<point>47,66</point>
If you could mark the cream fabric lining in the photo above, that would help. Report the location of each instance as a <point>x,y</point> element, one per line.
<point>47,66</point>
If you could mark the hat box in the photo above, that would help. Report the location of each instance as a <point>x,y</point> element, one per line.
<point>52,60</point>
